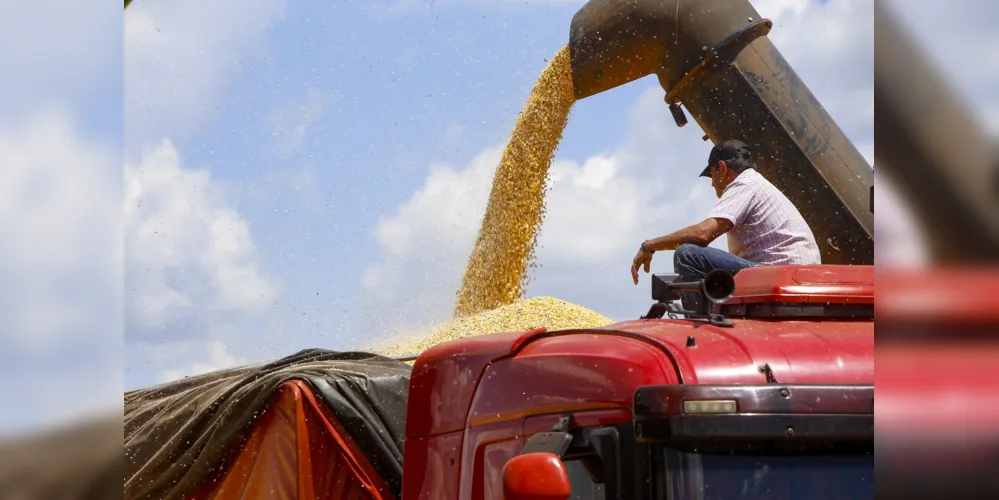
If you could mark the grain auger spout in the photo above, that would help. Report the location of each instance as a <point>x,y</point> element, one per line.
<point>713,58</point>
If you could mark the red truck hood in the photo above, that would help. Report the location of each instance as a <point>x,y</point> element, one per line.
<point>495,377</point>
<point>795,351</point>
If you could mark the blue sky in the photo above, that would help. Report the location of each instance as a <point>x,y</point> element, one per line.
<point>326,123</point>
<point>325,126</point>
<point>60,211</point>
<point>312,174</point>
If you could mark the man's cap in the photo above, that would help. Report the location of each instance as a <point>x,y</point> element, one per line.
<point>728,150</point>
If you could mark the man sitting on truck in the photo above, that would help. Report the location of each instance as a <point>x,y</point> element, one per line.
<point>763,226</point>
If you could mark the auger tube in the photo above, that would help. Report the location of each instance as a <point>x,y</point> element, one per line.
<point>713,57</point>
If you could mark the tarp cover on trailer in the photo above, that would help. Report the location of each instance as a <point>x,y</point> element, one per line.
<point>178,434</point>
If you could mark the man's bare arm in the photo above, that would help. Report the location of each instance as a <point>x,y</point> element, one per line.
<point>701,234</point>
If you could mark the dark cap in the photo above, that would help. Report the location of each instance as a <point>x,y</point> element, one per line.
<point>728,150</point>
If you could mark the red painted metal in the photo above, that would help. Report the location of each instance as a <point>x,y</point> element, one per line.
<point>444,379</point>
<point>488,447</point>
<point>808,284</point>
<point>938,372</point>
<point>475,401</point>
<point>797,351</point>
<point>591,369</point>
<point>760,399</point>
<point>526,337</point>
<point>565,373</point>
<point>431,467</point>
<point>951,297</point>
<point>536,476</point>
<point>959,381</point>
<point>485,450</point>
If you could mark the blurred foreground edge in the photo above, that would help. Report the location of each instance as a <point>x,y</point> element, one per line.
<point>931,147</point>
<point>938,355</point>
<point>937,363</point>
<point>80,461</point>
<point>937,328</point>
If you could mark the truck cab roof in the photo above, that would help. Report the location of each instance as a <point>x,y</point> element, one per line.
<point>807,339</point>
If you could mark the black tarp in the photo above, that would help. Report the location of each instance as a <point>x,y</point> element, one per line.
<point>178,434</point>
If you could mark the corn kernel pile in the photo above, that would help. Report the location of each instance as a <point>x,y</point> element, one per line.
<point>497,271</point>
<point>522,315</point>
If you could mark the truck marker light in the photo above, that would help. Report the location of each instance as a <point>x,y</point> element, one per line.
<point>710,406</point>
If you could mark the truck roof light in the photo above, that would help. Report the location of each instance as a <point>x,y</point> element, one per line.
<point>783,412</point>
<point>710,406</point>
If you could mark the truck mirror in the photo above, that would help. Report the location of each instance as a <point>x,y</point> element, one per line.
<point>535,476</point>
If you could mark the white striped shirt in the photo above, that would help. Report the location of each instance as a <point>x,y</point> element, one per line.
<point>767,228</point>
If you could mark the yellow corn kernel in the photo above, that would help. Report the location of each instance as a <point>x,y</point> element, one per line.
<point>497,271</point>
<point>522,315</point>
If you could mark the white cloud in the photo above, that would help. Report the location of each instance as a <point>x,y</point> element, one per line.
<point>599,209</point>
<point>60,272</point>
<point>59,222</point>
<point>426,242</point>
<point>179,56</point>
<point>778,10</point>
<point>189,253</point>
<point>291,121</point>
<point>219,358</point>
<point>194,276</point>
<point>597,212</point>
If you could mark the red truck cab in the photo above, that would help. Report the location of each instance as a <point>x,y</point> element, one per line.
<point>769,396</point>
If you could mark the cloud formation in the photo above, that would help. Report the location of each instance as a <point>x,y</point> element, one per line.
<point>425,244</point>
<point>291,122</point>
<point>219,358</point>
<point>601,207</point>
<point>195,279</point>
<point>596,212</point>
<point>60,272</point>
<point>180,56</point>
<point>187,247</point>
<point>192,266</point>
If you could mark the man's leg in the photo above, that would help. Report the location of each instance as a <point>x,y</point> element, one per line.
<point>693,263</point>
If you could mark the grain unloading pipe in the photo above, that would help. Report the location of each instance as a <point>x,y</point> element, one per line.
<point>713,58</point>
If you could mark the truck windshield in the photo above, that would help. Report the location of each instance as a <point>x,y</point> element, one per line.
<point>766,476</point>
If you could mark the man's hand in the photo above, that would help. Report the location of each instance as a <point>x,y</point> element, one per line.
<point>700,234</point>
<point>641,258</point>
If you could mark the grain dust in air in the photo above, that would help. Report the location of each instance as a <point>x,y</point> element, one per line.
<point>491,298</point>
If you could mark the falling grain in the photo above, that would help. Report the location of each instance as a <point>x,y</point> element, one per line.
<point>497,271</point>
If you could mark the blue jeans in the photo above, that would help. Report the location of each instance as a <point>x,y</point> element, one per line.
<point>693,263</point>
